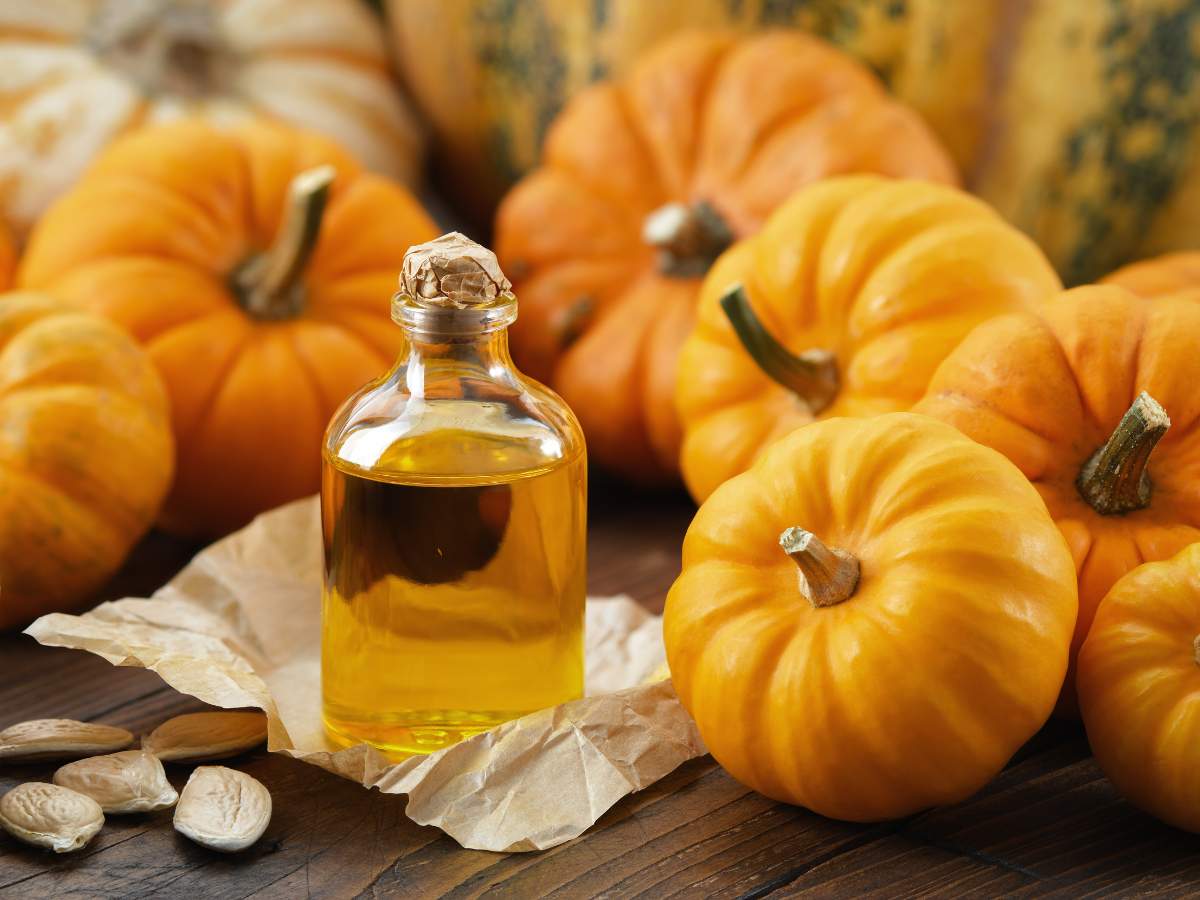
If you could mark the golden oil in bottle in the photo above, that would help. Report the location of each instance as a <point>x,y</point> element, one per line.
<point>454,517</point>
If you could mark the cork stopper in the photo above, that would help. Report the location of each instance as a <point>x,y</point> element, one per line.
<point>453,272</point>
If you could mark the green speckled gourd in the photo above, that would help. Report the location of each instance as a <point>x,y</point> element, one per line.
<point>1097,147</point>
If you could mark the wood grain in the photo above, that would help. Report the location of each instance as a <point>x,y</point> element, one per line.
<point>1050,824</point>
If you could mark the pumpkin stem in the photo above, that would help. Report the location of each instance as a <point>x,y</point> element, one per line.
<point>827,576</point>
<point>812,376</point>
<point>1196,649</point>
<point>269,283</point>
<point>162,46</point>
<point>689,237</point>
<point>1114,481</point>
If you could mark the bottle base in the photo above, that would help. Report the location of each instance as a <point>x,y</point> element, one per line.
<point>416,732</point>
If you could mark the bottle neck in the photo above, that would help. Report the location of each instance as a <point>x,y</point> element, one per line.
<point>439,366</point>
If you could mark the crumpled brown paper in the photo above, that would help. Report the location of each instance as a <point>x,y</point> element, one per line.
<point>240,626</point>
<point>452,271</point>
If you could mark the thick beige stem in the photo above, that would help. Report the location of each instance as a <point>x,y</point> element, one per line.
<point>164,47</point>
<point>270,284</point>
<point>828,576</point>
<point>1196,649</point>
<point>1114,481</point>
<point>689,237</point>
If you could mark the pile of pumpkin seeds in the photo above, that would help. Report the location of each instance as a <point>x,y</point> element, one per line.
<point>219,808</point>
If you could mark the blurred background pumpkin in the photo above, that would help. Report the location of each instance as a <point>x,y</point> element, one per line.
<point>645,181</point>
<point>1077,121</point>
<point>85,453</point>
<point>255,265</point>
<point>77,73</point>
<point>491,75</point>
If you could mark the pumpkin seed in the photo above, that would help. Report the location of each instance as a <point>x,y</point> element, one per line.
<point>59,739</point>
<point>46,815</point>
<point>126,782</point>
<point>209,735</point>
<point>223,809</point>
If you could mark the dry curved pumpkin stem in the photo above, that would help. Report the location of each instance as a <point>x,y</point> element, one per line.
<point>812,376</point>
<point>40,739</point>
<point>689,237</point>
<point>575,320</point>
<point>48,816</point>
<point>270,284</point>
<point>1114,481</point>
<point>828,576</point>
<point>223,809</point>
<point>207,735</point>
<point>131,781</point>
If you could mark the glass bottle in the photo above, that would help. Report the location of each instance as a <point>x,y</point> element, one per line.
<point>453,505</point>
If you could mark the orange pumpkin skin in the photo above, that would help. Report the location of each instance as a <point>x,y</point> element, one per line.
<point>917,689</point>
<point>151,238</point>
<point>8,258</point>
<point>1166,274</point>
<point>705,118</point>
<point>887,275</point>
<point>1047,392</point>
<point>85,453</point>
<point>1139,677</point>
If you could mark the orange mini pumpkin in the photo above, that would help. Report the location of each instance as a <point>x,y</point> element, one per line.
<point>255,265</point>
<point>85,453</point>
<point>644,181</point>
<point>1139,677</point>
<point>844,304</point>
<point>872,618</point>
<point>1079,399</point>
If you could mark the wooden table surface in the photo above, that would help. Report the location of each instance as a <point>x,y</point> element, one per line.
<point>1049,824</point>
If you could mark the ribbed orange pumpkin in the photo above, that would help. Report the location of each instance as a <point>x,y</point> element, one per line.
<point>872,618</point>
<point>1139,677</point>
<point>1080,398</point>
<point>644,181</point>
<point>259,288</point>
<point>851,295</point>
<point>85,453</point>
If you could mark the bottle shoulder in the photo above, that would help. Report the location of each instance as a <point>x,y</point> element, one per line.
<point>455,425</point>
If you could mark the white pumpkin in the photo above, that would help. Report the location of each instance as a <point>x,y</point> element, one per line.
<point>75,73</point>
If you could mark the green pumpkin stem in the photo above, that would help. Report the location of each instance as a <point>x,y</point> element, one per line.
<point>828,576</point>
<point>1114,481</point>
<point>812,376</point>
<point>689,237</point>
<point>270,284</point>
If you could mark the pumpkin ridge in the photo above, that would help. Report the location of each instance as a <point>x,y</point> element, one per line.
<point>1098,421</point>
<point>385,359</point>
<point>184,207</point>
<point>700,113</point>
<point>329,403</point>
<point>348,320</point>
<point>103,524</point>
<point>961,302</point>
<point>108,522</point>
<point>184,438</point>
